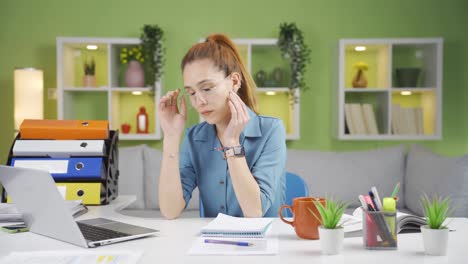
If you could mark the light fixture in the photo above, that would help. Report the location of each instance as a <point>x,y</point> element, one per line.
<point>405,93</point>
<point>92,47</point>
<point>360,48</point>
<point>137,93</point>
<point>270,93</point>
<point>29,95</point>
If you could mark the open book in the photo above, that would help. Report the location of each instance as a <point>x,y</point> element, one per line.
<point>229,226</point>
<point>9,212</point>
<point>406,223</point>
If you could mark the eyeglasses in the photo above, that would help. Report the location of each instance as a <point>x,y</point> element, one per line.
<point>208,90</point>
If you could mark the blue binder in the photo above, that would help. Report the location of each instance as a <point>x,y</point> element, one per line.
<point>66,169</point>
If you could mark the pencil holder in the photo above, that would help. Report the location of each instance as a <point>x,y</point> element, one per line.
<point>379,230</point>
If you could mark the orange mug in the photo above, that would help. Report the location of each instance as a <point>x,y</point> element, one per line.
<point>305,224</point>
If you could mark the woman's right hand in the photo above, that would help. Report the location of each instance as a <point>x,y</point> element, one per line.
<point>172,117</point>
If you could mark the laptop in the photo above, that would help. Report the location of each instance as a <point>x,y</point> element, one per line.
<point>45,213</point>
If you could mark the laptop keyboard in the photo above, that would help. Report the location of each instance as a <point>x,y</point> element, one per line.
<point>94,233</point>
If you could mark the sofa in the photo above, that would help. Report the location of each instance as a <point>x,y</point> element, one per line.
<point>342,175</point>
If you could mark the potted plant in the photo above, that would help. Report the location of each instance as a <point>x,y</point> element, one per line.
<point>89,78</point>
<point>331,233</point>
<point>435,233</point>
<point>152,44</point>
<point>293,48</point>
<point>134,75</point>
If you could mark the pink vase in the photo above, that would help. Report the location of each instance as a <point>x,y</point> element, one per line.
<point>134,76</point>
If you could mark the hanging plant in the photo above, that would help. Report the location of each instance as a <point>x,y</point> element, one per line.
<point>152,43</point>
<point>293,48</point>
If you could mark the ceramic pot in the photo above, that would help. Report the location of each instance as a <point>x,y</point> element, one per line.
<point>360,81</point>
<point>89,81</point>
<point>135,75</point>
<point>331,240</point>
<point>435,240</point>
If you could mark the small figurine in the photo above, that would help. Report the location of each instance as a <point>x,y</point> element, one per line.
<point>142,121</point>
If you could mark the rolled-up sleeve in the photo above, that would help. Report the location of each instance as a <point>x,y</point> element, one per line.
<point>187,173</point>
<point>268,169</point>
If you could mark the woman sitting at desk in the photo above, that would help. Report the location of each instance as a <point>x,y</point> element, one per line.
<point>236,157</point>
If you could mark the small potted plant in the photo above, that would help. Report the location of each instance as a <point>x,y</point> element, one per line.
<point>331,233</point>
<point>435,233</point>
<point>134,74</point>
<point>89,78</point>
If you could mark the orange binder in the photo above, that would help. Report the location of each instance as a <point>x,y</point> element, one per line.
<point>64,129</point>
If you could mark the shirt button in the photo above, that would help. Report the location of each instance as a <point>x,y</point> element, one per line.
<point>221,182</point>
<point>222,207</point>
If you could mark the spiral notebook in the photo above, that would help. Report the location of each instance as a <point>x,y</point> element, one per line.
<point>229,226</point>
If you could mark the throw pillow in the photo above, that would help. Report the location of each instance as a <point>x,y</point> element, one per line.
<point>432,174</point>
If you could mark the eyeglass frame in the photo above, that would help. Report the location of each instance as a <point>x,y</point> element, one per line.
<point>193,97</point>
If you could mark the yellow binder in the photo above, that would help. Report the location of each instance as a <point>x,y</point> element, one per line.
<point>89,193</point>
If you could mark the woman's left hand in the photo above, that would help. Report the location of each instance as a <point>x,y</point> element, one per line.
<point>239,119</point>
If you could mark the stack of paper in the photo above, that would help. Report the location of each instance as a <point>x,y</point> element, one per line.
<point>253,231</point>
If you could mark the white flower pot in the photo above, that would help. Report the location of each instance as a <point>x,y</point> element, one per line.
<point>331,240</point>
<point>435,240</point>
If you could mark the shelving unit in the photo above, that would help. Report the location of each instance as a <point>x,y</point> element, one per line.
<point>110,99</point>
<point>273,96</point>
<point>406,106</point>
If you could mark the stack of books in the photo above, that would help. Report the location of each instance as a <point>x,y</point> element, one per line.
<point>407,120</point>
<point>360,119</point>
<point>80,155</point>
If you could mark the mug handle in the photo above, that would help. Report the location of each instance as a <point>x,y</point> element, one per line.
<point>281,215</point>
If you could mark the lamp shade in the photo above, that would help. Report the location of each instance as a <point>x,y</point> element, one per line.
<point>29,95</point>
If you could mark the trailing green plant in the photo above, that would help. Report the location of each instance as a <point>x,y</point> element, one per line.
<point>292,46</point>
<point>152,43</point>
<point>89,67</point>
<point>330,213</point>
<point>436,210</point>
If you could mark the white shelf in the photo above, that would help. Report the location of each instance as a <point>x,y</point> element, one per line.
<point>384,56</point>
<point>272,89</point>
<point>108,101</point>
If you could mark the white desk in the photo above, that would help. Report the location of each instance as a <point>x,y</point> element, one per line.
<point>176,237</point>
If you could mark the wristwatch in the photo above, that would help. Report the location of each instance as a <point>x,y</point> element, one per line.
<point>237,151</point>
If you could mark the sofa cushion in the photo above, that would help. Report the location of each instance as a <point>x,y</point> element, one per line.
<point>432,174</point>
<point>131,174</point>
<point>152,168</point>
<point>346,175</point>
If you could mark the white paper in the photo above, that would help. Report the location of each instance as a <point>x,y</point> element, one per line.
<point>75,257</point>
<point>261,246</point>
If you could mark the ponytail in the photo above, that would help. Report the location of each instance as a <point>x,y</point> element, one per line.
<point>223,53</point>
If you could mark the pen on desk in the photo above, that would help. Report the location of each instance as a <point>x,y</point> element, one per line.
<point>377,197</point>
<point>228,242</point>
<point>373,201</point>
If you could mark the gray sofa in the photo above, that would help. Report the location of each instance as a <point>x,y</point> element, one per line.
<point>342,175</point>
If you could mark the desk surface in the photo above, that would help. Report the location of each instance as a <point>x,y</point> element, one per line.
<point>176,237</point>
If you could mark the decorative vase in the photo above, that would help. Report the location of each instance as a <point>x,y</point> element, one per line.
<point>360,81</point>
<point>435,240</point>
<point>89,81</point>
<point>135,75</point>
<point>407,77</point>
<point>331,240</point>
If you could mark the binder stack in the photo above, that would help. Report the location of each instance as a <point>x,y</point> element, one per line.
<point>81,156</point>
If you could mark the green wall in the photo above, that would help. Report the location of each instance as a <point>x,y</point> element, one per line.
<point>29,29</point>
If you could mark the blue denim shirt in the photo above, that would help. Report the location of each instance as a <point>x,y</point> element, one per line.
<point>201,165</point>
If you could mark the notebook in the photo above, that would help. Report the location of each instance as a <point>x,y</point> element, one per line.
<point>230,226</point>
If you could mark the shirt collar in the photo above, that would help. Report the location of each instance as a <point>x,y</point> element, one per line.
<point>252,129</point>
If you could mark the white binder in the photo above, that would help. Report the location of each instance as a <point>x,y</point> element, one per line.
<point>58,148</point>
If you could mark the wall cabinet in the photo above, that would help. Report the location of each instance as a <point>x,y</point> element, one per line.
<point>397,95</point>
<point>107,97</point>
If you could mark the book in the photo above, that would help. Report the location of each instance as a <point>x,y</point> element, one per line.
<point>230,226</point>
<point>9,212</point>
<point>408,223</point>
<point>405,223</point>
<point>369,118</point>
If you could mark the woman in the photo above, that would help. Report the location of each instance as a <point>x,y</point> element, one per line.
<point>236,158</point>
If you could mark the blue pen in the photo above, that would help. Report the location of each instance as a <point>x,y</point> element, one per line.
<point>374,203</point>
<point>228,242</point>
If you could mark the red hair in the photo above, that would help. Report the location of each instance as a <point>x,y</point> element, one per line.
<point>219,49</point>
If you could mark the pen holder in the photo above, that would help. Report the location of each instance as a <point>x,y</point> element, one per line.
<point>379,230</point>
